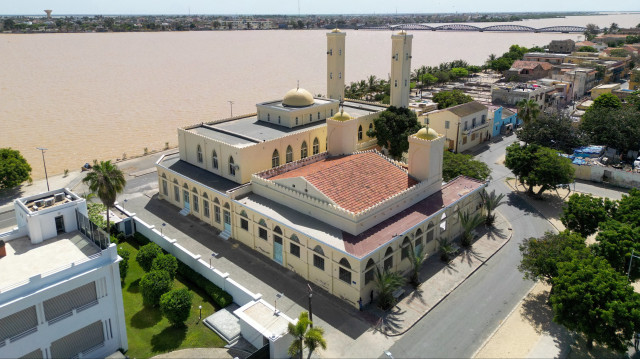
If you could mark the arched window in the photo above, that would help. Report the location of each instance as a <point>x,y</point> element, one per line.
<point>418,242</point>
<point>303,150</point>
<point>360,133</point>
<point>243,213</point>
<point>344,274</point>
<point>318,250</point>
<point>277,230</point>
<point>406,243</point>
<point>194,190</point>
<point>205,195</point>
<point>294,246</point>
<point>232,166</point>
<point>289,157</point>
<point>388,261</point>
<point>316,146</point>
<point>215,200</point>
<point>226,205</point>
<point>275,159</point>
<point>262,222</point>
<point>214,157</point>
<point>318,261</point>
<point>185,186</point>
<point>199,154</point>
<point>164,176</point>
<point>369,272</point>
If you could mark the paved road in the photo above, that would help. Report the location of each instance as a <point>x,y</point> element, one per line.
<point>7,219</point>
<point>463,321</point>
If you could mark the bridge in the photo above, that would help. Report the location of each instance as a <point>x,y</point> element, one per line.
<point>466,27</point>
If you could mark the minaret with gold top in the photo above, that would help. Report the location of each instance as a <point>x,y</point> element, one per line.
<point>335,64</point>
<point>400,69</point>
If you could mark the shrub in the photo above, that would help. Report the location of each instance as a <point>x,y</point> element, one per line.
<point>176,305</point>
<point>219,296</point>
<point>165,262</point>
<point>153,285</point>
<point>124,263</point>
<point>147,254</point>
<point>140,239</point>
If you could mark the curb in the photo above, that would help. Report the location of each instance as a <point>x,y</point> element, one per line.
<point>456,287</point>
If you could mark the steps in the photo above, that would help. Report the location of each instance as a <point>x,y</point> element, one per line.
<point>185,211</point>
<point>225,234</point>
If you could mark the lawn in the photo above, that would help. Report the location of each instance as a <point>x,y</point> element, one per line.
<point>148,332</point>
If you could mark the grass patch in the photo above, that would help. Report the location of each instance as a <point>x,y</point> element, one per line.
<point>151,334</point>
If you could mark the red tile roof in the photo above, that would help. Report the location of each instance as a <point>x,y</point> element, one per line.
<point>382,233</point>
<point>530,65</point>
<point>354,182</point>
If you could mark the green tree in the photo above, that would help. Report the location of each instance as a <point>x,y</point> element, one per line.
<point>147,254</point>
<point>582,213</point>
<point>393,128</point>
<point>314,339</point>
<point>458,72</point>
<point>428,79</point>
<point>417,258</point>
<point>386,283</point>
<point>528,110</point>
<point>501,64</point>
<point>9,24</point>
<point>587,49</point>
<point>618,128</point>
<point>591,298</point>
<point>176,306</point>
<point>628,210</point>
<point>165,262</point>
<point>491,201</point>
<point>615,241</point>
<point>14,169</point>
<point>606,100</point>
<point>469,223</point>
<point>153,285</point>
<point>554,130</point>
<point>538,166</point>
<point>619,53</point>
<point>457,164</point>
<point>540,256</point>
<point>124,263</point>
<point>446,99</point>
<point>303,335</point>
<point>106,180</point>
<point>591,32</point>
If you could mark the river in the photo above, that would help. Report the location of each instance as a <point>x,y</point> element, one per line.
<point>100,95</point>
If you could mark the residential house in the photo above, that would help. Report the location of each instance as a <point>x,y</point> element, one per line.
<point>464,126</point>
<point>562,46</point>
<point>505,120</point>
<point>544,57</point>
<point>528,70</point>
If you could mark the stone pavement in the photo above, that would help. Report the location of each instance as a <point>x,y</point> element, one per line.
<point>349,332</point>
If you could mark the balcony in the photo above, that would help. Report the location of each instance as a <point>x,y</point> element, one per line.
<point>477,127</point>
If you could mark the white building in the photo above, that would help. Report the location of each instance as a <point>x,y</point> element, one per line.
<point>60,294</point>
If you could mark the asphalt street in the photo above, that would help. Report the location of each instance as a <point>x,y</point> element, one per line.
<point>7,219</point>
<point>462,322</point>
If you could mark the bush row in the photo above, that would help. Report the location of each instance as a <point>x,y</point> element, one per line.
<point>219,296</point>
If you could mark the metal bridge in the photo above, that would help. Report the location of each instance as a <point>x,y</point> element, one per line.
<point>492,28</point>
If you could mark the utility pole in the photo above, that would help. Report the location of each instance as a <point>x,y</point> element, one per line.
<point>45,166</point>
<point>231,103</point>
<point>310,309</point>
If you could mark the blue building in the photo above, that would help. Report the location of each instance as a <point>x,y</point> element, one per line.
<point>504,121</point>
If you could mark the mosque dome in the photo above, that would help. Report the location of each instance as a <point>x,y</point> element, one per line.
<point>335,30</point>
<point>427,134</point>
<point>341,116</point>
<point>298,97</point>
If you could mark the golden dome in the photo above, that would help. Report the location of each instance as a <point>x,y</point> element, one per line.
<point>335,30</point>
<point>402,32</point>
<point>341,116</point>
<point>427,134</point>
<point>298,98</point>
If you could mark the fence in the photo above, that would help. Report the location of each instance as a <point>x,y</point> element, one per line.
<point>240,294</point>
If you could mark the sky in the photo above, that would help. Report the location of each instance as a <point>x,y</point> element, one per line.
<point>240,7</point>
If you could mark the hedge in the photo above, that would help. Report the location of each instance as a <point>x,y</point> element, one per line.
<point>219,296</point>
<point>140,239</point>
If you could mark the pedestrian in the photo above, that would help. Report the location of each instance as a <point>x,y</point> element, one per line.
<point>636,340</point>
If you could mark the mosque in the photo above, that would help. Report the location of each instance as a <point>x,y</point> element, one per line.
<point>300,182</point>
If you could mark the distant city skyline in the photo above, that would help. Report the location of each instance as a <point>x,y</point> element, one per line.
<point>304,7</point>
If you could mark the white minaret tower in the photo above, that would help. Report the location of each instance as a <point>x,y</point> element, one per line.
<point>335,64</point>
<point>400,68</point>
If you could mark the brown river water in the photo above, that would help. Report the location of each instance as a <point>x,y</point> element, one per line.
<point>97,96</point>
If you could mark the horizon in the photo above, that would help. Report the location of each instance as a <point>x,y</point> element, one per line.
<point>302,7</point>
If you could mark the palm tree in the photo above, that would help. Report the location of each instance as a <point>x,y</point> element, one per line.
<point>304,335</point>
<point>417,259</point>
<point>106,180</point>
<point>528,110</point>
<point>468,224</point>
<point>491,58</point>
<point>314,339</point>
<point>491,201</point>
<point>386,283</point>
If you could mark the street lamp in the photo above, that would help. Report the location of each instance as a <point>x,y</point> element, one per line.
<point>275,303</point>
<point>231,103</point>
<point>42,149</point>
<point>213,255</point>
<point>125,202</point>
<point>163,225</point>
<point>200,307</point>
<point>310,310</point>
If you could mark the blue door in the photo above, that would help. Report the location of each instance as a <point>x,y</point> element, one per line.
<point>227,221</point>
<point>185,196</point>
<point>277,249</point>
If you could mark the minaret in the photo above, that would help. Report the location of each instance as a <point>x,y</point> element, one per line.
<point>335,64</point>
<point>400,69</point>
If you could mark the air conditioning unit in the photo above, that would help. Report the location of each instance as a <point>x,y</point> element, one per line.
<point>59,197</point>
<point>35,208</point>
<point>39,203</point>
<point>49,201</point>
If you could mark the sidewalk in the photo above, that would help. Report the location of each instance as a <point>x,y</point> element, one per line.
<point>349,332</point>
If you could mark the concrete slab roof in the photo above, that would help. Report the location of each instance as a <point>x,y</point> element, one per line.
<point>185,169</point>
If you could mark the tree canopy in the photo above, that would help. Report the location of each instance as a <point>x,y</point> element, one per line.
<point>528,110</point>
<point>538,166</point>
<point>106,180</point>
<point>456,164</point>
<point>591,298</point>
<point>446,99</point>
<point>628,210</point>
<point>587,49</point>
<point>176,305</point>
<point>554,130</point>
<point>393,128</point>
<point>582,213</point>
<point>614,242</point>
<point>618,128</point>
<point>606,100</point>
<point>14,169</point>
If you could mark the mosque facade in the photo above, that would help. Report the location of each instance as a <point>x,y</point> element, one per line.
<point>300,182</point>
